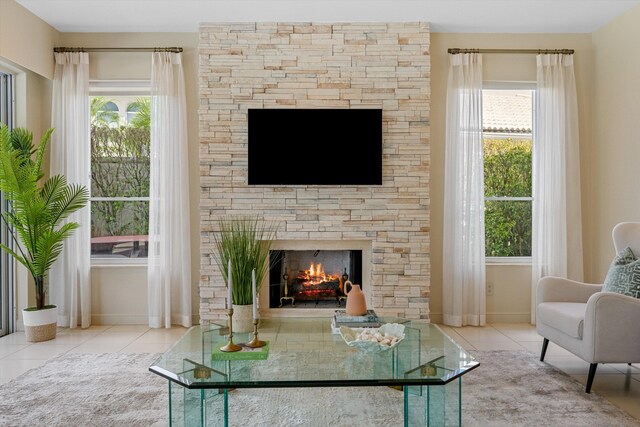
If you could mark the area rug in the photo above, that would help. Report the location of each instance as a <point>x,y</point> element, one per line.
<point>510,388</point>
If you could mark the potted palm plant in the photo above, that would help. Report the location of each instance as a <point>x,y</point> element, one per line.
<point>34,218</point>
<point>245,241</point>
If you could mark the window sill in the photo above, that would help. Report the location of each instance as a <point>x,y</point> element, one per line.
<point>525,260</point>
<point>118,262</point>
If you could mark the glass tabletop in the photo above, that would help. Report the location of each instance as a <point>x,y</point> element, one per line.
<point>304,352</point>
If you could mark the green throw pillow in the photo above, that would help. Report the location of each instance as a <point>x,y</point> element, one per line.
<point>624,274</point>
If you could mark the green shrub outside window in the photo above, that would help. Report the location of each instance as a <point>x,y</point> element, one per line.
<point>507,174</point>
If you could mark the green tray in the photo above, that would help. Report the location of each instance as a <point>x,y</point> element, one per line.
<point>246,353</point>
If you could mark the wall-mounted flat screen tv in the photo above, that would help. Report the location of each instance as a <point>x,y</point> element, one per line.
<point>315,146</point>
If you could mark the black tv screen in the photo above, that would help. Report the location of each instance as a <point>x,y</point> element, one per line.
<point>315,147</point>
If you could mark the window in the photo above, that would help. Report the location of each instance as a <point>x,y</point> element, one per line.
<point>6,262</point>
<point>6,99</point>
<point>507,116</point>
<point>120,138</point>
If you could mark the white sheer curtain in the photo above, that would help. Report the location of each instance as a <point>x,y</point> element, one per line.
<point>463,269</point>
<point>69,278</point>
<point>169,274</point>
<point>557,223</point>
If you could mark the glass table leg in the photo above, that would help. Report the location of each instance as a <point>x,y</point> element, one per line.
<point>436,405</point>
<point>198,408</point>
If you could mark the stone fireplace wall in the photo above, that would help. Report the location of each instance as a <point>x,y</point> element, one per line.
<point>307,65</point>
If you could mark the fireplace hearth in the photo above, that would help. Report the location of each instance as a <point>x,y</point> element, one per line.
<point>312,278</point>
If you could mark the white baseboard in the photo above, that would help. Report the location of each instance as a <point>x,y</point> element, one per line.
<point>119,319</point>
<point>133,319</point>
<point>509,317</point>
<point>525,317</point>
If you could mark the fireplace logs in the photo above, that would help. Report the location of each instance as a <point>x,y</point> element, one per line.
<point>315,284</point>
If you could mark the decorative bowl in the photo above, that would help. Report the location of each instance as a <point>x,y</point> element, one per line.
<point>373,340</point>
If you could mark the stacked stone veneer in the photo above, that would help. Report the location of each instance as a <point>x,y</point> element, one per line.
<point>306,65</point>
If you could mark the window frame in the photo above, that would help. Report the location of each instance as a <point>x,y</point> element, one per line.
<point>7,98</point>
<point>117,88</point>
<point>512,85</point>
<point>7,265</point>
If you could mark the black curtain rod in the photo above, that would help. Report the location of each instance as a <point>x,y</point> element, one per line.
<point>457,50</point>
<point>117,49</point>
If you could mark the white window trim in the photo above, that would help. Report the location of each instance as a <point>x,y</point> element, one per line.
<point>121,262</point>
<point>506,85</point>
<point>508,260</point>
<point>119,87</point>
<point>120,199</point>
<point>508,199</point>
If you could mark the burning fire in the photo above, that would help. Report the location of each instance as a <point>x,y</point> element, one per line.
<point>316,275</point>
<point>316,271</point>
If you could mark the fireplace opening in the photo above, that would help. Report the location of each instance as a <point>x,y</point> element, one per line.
<point>312,278</point>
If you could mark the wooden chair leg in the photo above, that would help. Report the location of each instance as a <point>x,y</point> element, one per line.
<point>592,373</point>
<point>545,343</point>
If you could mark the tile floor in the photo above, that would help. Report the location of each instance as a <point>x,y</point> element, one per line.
<point>618,383</point>
<point>18,356</point>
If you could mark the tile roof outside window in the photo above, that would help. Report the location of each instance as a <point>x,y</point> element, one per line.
<point>506,111</point>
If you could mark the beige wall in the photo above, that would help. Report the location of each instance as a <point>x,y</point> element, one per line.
<point>111,302</point>
<point>616,149</point>
<point>26,40</point>
<point>119,295</point>
<point>512,285</point>
<point>26,50</point>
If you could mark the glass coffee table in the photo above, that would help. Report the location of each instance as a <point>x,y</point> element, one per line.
<point>426,366</point>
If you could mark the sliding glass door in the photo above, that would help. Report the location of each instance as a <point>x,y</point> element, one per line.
<point>6,263</point>
<point>6,280</point>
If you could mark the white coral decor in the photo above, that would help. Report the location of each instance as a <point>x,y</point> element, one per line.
<point>373,340</point>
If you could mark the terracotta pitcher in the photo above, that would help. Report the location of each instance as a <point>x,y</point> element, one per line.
<point>356,304</point>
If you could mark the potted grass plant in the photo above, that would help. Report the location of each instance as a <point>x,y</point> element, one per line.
<point>245,241</point>
<point>35,218</point>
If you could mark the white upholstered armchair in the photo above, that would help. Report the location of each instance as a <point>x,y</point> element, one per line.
<point>598,327</point>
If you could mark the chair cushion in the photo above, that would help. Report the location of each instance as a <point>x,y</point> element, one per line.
<point>567,317</point>
<point>624,274</point>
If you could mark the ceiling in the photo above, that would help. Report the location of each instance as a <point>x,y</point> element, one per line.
<point>463,16</point>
